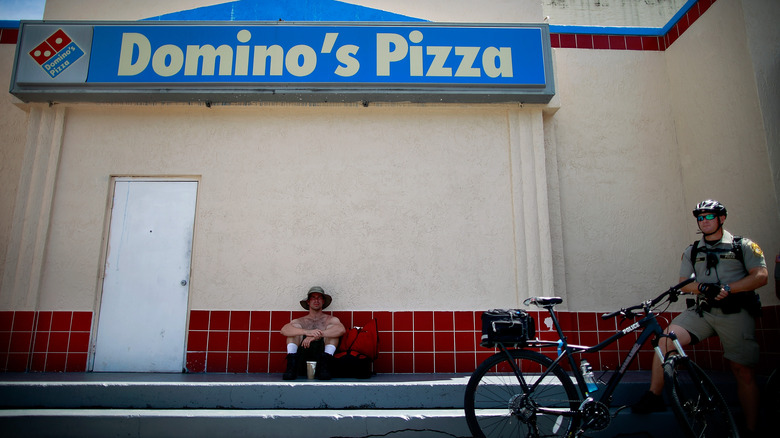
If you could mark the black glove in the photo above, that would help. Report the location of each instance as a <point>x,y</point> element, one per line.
<point>709,290</point>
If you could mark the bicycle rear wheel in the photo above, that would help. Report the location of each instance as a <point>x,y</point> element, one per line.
<point>701,410</point>
<point>496,406</point>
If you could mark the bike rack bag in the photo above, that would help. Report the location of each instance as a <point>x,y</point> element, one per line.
<point>507,326</point>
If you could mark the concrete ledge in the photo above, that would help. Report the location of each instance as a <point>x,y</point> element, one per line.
<point>282,423</point>
<point>151,391</point>
<point>233,423</point>
<point>246,391</point>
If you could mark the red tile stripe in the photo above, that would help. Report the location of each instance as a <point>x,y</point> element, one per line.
<point>9,36</point>
<point>222,341</point>
<point>608,42</point>
<point>242,341</point>
<point>51,341</point>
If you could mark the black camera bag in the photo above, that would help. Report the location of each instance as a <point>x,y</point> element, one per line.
<point>511,327</point>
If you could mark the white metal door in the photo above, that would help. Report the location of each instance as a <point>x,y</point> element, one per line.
<point>143,309</point>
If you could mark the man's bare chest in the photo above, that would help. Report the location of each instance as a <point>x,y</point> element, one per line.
<point>315,323</point>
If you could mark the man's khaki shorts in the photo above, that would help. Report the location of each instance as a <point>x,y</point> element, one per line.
<point>737,332</point>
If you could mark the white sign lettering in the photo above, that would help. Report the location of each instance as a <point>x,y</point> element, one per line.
<point>391,47</point>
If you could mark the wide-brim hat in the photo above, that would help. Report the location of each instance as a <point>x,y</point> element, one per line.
<point>316,290</point>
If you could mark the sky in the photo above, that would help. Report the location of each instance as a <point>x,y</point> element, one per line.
<point>15,10</point>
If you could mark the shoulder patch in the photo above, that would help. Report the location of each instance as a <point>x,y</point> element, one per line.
<point>756,249</point>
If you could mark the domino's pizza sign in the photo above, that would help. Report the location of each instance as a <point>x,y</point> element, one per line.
<point>56,53</point>
<point>281,61</point>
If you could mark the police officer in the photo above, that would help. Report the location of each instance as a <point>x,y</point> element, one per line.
<point>728,271</point>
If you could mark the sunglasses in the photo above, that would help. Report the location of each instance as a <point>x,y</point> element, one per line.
<point>709,217</point>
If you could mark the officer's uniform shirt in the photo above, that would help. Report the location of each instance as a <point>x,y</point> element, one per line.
<point>728,269</point>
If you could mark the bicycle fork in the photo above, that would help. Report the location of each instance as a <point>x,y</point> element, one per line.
<point>677,347</point>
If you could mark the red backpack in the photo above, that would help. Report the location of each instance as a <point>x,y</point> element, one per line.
<point>357,351</point>
<point>363,340</point>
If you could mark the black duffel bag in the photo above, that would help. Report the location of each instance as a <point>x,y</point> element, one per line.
<point>352,364</point>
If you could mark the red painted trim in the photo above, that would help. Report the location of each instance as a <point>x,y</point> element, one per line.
<point>629,42</point>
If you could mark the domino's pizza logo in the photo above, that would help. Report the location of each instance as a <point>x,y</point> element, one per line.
<point>56,53</point>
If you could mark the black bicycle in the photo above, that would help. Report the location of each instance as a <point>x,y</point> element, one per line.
<point>518,392</point>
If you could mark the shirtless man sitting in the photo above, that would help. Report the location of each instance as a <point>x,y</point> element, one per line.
<point>313,337</point>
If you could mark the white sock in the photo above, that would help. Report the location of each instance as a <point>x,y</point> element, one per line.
<point>292,348</point>
<point>330,349</point>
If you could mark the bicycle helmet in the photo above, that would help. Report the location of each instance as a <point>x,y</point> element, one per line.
<point>710,205</point>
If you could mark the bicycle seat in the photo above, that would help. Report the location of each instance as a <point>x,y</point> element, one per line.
<point>543,301</point>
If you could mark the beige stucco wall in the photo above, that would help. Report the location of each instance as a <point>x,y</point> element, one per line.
<point>620,195</point>
<point>719,127</point>
<point>676,127</point>
<point>487,11</point>
<point>118,10</point>
<point>645,13</point>
<point>418,207</point>
<point>13,126</point>
<point>763,40</point>
<point>390,207</point>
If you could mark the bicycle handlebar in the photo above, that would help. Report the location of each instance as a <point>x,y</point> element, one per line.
<point>672,293</point>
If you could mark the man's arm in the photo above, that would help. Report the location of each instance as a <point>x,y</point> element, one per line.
<point>686,270</point>
<point>691,288</point>
<point>756,278</point>
<point>334,328</point>
<point>294,328</point>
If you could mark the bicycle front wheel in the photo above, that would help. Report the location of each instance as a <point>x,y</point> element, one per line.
<point>701,410</point>
<point>497,406</point>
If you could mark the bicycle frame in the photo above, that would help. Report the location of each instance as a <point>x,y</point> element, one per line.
<point>548,402</point>
<point>649,326</point>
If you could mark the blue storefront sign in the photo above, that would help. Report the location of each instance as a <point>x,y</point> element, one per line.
<point>283,61</point>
